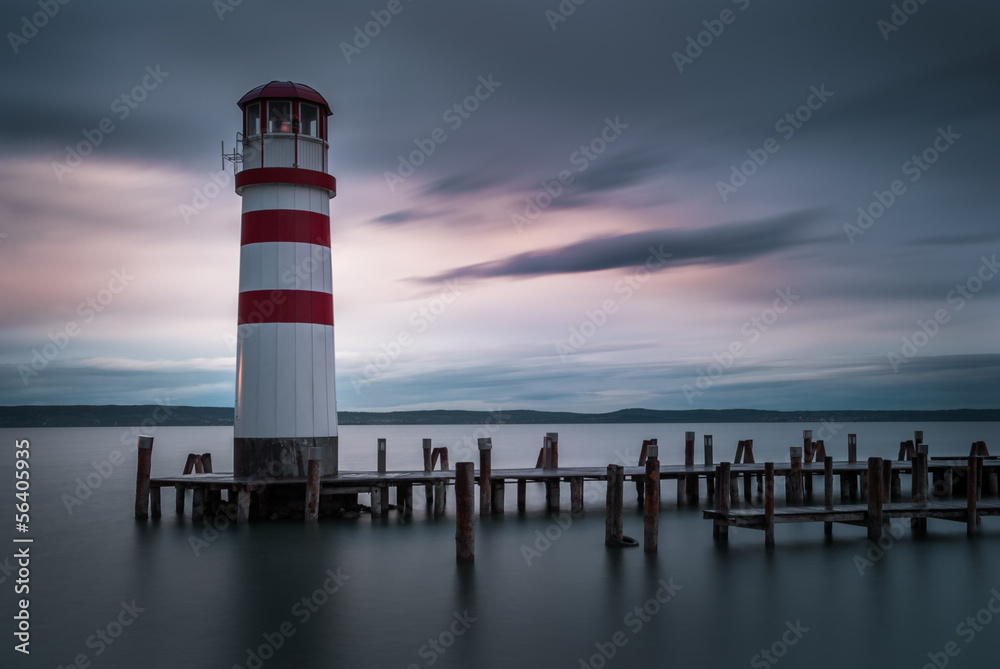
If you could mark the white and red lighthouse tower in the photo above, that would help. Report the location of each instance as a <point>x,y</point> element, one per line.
<point>286,402</point>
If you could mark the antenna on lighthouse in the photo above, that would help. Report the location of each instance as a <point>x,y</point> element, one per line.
<point>236,158</point>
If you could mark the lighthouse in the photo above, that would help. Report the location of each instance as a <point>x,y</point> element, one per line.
<point>286,400</point>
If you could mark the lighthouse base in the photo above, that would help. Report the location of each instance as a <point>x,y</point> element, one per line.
<point>272,458</point>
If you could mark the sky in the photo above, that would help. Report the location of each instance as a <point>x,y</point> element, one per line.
<point>543,205</point>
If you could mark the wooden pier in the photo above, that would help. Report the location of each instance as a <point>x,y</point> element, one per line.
<point>870,492</point>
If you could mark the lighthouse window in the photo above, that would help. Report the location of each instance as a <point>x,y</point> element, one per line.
<point>253,119</point>
<point>309,117</point>
<point>279,116</point>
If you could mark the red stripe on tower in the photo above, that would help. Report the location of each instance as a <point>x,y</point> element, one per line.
<point>285,306</point>
<point>285,225</point>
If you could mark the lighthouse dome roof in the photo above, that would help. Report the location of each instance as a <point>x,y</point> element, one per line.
<point>287,90</point>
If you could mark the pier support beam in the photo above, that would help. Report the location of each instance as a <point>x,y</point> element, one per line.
<point>972,496</point>
<point>440,497</point>
<point>497,496</point>
<point>142,470</point>
<point>690,480</point>
<point>828,493</point>
<point>429,487</point>
<point>769,504</point>
<point>465,533</point>
<point>720,530</point>
<point>576,495</point>
<point>243,506</point>
<point>918,488</point>
<point>793,488</point>
<point>709,461</point>
<point>613,527</point>
<point>522,495</point>
<point>485,469</point>
<point>874,499</point>
<point>404,499</point>
<point>807,452</point>
<point>651,515</point>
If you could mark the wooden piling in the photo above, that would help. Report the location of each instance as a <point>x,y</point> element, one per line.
<point>213,500</point>
<point>404,499</point>
<point>496,497</point>
<point>553,438</point>
<point>651,515</point>
<point>312,483</point>
<point>719,530</point>
<point>807,452</point>
<point>522,495</point>
<point>971,496</point>
<point>613,527</point>
<point>154,503</point>
<point>576,495</point>
<point>440,496</point>
<point>428,466</point>
<point>639,493</point>
<point>690,480</point>
<point>709,478</point>
<point>198,504</point>
<point>381,455</point>
<point>793,488</point>
<point>874,499</point>
<point>769,504</point>
<point>828,492</point>
<point>142,469</point>
<point>465,534</point>
<point>485,469</point>
<point>918,487</point>
<point>852,457</point>
<point>886,481</point>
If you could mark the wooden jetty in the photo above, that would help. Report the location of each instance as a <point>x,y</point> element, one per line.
<point>870,493</point>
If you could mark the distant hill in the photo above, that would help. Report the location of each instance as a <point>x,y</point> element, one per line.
<point>152,414</point>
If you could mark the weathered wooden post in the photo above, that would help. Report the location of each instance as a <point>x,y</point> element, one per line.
<point>155,510</point>
<point>918,487</point>
<point>312,483</point>
<point>769,504</point>
<point>886,481</point>
<point>613,527</point>
<point>828,492</point>
<point>142,470</point>
<point>690,480</point>
<point>720,530</point>
<point>440,496</point>
<point>576,495</point>
<point>465,534</point>
<point>874,499</point>
<point>243,505</point>
<point>651,515</point>
<point>428,466</point>
<point>497,496</point>
<point>404,499</point>
<point>381,455</point>
<point>709,461</point>
<point>522,495</point>
<point>793,489</point>
<point>214,497</point>
<point>198,503</point>
<point>639,494</point>
<point>971,496</point>
<point>807,451</point>
<point>552,484</point>
<point>918,437</point>
<point>852,457</point>
<point>485,458</point>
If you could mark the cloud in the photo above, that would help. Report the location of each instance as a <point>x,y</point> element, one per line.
<point>723,244</point>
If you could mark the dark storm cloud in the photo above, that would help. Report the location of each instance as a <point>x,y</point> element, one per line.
<point>722,244</point>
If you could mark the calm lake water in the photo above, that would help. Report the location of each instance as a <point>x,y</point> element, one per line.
<point>111,592</point>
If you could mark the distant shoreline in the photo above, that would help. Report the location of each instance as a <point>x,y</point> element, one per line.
<point>153,414</point>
